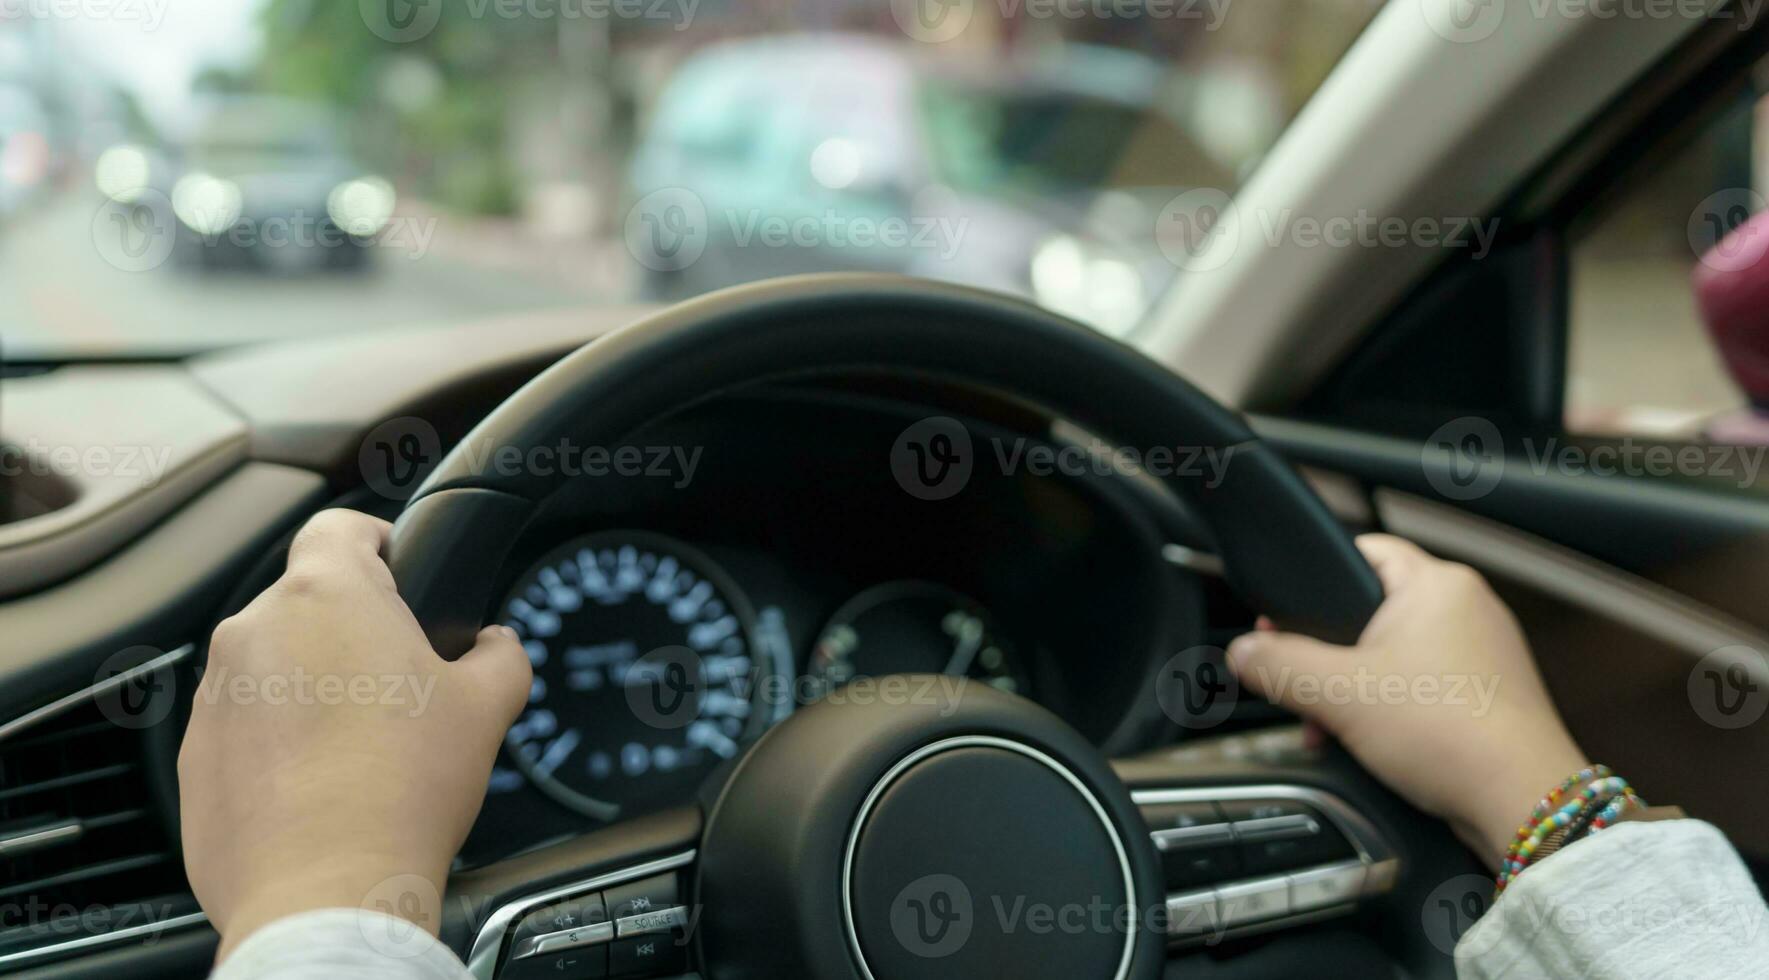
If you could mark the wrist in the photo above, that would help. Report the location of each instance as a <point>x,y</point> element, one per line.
<point>1490,824</point>
<point>387,887</point>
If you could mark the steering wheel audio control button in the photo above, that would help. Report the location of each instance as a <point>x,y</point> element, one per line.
<point>652,894</point>
<point>573,964</point>
<point>1192,913</point>
<point>1253,901</point>
<point>1186,838</point>
<point>647,956</point>
<point>1196,867</point>
<point>1321,888</point>
<point>560,917</point>
<point>559,942</point>
<point>1179,816</point>
<point>1238,810</point>
<point>1288,827</point>
<point>652,923</point>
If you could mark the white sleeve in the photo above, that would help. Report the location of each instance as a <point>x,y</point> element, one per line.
<point>341,944</point>
<point>1641,899</point>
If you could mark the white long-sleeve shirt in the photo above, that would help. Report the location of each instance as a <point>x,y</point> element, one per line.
<point>1639,900</point>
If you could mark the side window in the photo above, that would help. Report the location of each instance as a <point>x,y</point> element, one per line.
<point>1669,331</point>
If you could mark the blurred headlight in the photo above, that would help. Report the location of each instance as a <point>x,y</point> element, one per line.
<point>361,207</point>
<point>205,203</point>
<point>835,163</point>
<point>122,173</point>
<point>1101,291</point>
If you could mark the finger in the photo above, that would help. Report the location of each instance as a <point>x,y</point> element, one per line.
<point>500,672</point>
<point>338,539</point>
<point>1396,561</point>
<point>1268,663</point>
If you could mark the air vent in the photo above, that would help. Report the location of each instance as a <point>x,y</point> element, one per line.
<point>83,847</point>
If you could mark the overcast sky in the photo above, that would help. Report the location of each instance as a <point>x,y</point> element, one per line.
<point>155,48</point>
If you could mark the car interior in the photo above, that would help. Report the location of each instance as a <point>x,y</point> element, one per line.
<point>828,498</point>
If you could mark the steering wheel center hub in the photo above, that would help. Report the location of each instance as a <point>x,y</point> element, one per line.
<point>918,837</point>
<point>980,856</point>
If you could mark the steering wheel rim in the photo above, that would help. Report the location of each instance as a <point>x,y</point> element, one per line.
<point>772,855</point>
<point>1281,548</point>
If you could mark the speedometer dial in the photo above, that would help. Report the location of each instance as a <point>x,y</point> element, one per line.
<point>644,675</point>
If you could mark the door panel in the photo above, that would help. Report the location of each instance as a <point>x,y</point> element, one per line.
<point>1623,587</point>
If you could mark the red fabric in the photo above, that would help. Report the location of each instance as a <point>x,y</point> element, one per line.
<point>1732,293</point>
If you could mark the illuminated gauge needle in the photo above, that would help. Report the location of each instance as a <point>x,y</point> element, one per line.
<point>557,752</point>
<point>969,632</point>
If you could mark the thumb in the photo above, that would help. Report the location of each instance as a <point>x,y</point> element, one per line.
<point>500,672</point>
<point>1269,663</point>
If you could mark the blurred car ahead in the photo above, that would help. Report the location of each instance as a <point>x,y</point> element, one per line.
<point>266,184</point>
<point>853,154</point>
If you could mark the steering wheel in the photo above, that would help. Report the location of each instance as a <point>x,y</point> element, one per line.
<point>875,838</point>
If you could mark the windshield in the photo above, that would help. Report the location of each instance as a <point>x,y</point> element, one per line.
<point>184,174</point>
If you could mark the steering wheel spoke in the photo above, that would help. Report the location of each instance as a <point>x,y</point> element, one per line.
<point>613,902</point>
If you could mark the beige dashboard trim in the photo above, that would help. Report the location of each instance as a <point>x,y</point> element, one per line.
<point>129,444</point>
<point>1603,590</point>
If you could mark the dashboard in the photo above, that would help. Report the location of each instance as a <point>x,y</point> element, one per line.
<point>673,621</point>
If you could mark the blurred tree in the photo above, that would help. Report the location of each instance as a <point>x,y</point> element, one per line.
<point>452,146</point>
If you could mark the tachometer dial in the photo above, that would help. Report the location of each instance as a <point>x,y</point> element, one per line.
<point>914,628</point>
<point>644,676</point>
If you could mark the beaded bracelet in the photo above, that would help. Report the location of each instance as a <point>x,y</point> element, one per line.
<point>1614,809</point>
<point>1523,851</point>
<point>1552,800</point>
<point>1571,832</point>
<point>1548,802</point>
<point>1582,823</point>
